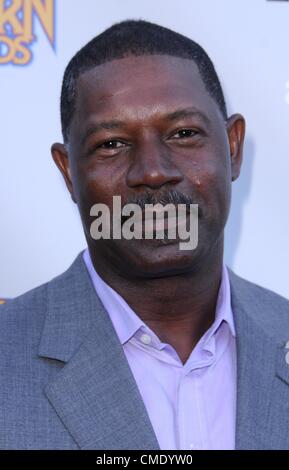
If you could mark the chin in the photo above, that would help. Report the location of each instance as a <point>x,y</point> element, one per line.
<point>161,260</point>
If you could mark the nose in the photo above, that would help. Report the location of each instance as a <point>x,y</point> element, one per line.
<point>152,166</point>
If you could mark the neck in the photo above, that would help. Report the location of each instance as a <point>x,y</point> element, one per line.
<point>179,309</point>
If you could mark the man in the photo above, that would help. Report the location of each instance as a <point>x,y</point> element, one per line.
<point>141,345</point>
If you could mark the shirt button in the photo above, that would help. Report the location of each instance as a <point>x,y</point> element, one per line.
<point>146,339</point>
<point>192,446</point>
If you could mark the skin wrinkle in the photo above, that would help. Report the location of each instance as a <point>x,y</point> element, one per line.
<point>180,287</point>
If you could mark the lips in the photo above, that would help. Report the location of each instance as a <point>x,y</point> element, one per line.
<point>156,222</point>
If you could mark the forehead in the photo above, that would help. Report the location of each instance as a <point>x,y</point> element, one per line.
<point>141,88</point>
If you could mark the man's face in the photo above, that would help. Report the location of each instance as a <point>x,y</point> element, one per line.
<point>147,126</point>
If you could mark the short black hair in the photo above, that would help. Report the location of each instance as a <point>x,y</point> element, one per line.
<point>135,38</point>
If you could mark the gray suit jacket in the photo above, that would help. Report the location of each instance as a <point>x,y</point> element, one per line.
<point>66,383</point>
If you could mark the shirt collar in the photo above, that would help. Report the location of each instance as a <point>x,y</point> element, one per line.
<point>124,319</point>
<point>223,308</point>
<point>127,323</point>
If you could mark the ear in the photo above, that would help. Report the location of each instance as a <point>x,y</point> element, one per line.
<point>236,133</point>
<point>60,156</point>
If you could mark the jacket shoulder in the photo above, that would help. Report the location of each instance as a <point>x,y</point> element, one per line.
<point>25,305</point>
<point>269,309</point>
<point>33,304</point>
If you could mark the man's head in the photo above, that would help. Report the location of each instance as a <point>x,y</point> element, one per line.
<point>144,117</point>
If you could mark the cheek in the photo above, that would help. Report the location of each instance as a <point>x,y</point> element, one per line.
<point>212,186</point>
<point>96,184</point>
<point>92,186</point>
<point>99,181</point>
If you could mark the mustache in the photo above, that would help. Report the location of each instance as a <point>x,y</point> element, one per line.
<point>169,197</point>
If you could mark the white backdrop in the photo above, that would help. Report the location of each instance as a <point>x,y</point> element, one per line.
<point>248,41</point>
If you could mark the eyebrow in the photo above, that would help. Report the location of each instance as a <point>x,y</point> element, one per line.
<point>100,126</point>
<point>116,124</point>
<point>188,112</point>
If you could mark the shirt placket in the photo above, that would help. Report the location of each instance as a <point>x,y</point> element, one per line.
<point>190,429</point>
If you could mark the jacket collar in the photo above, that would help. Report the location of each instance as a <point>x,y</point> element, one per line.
<point>96,396</point>
<point>261,320</point>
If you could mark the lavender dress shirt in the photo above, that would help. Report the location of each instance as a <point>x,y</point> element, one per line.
<point>191,406</point>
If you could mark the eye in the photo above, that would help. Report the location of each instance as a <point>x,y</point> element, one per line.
<point>185,134</point>
<point>107,148</point>
<point>111,144</point>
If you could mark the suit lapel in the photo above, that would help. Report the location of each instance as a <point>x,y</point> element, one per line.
<point>95,394</point>
<point>262,421</point>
